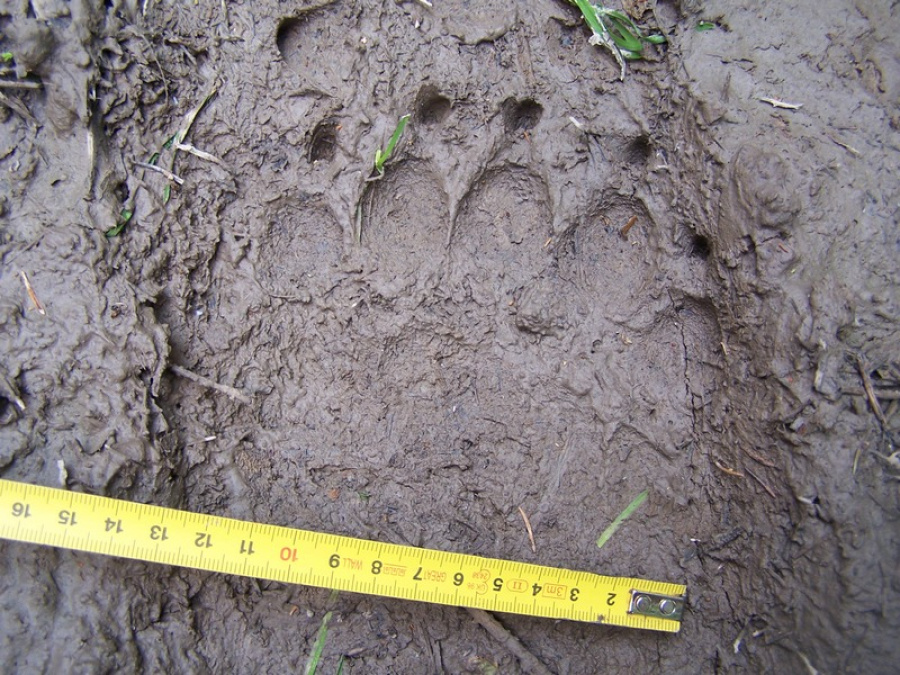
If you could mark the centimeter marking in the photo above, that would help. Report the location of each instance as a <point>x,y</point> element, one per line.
<point>82,522</point>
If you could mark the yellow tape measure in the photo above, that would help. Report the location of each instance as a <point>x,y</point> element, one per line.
<point>125,529</point>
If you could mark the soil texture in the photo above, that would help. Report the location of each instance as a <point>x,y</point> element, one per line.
<point>413,357</point>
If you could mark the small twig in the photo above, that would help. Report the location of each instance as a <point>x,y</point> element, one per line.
<point>530,663</point>
<point>17,106</point>
<point>357,224</point>
<point>38,305</point>
<point>759,480</point>
<point>845,146</point>
<point>810,668</point>
<point>870,391</point>
<point>892,461</point>
<point>19,84</point>
<point>165,172</point>
<point>426,3</point>
<point>187,147</point>
<point>8,389</point>
<point>725,469</point>
<point>192,115</point>
<point>759,459</point>
<point>182,133</point>
<point>736,645</point>
<point>775,103</point>
<point>624,231</point>
<point>528,527</point>
<point>883,394</point>
<point>211,384</point>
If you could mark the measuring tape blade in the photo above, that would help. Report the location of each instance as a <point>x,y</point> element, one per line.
<point>114,527</point>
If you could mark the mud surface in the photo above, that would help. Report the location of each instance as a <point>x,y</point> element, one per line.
<point>425,353</point>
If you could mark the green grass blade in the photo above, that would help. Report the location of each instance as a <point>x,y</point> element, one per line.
<point>318,647</point>
<point>590,16</point>
<point>398,132</point>
<point>623,31</point>
<point>622,517</point>
<point>616,31</point>
<point>381,156</point>
<point>124,219</point>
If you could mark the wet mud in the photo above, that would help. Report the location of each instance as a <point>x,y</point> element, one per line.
<point>412,357</point>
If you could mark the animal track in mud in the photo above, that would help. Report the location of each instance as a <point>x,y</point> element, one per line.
<point>499,240</point>
<point>299,248</point>
<point>322,144</point>
<point>522,115</point>
<point>564,378</point>
<point>762,193</point>
<point>615,271</point>
<point>476,22</point>
<point>637,150</point>
<point>304,38</point>
<point>406,215</point>
<point>466,375</point>
<point>432,107</point>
